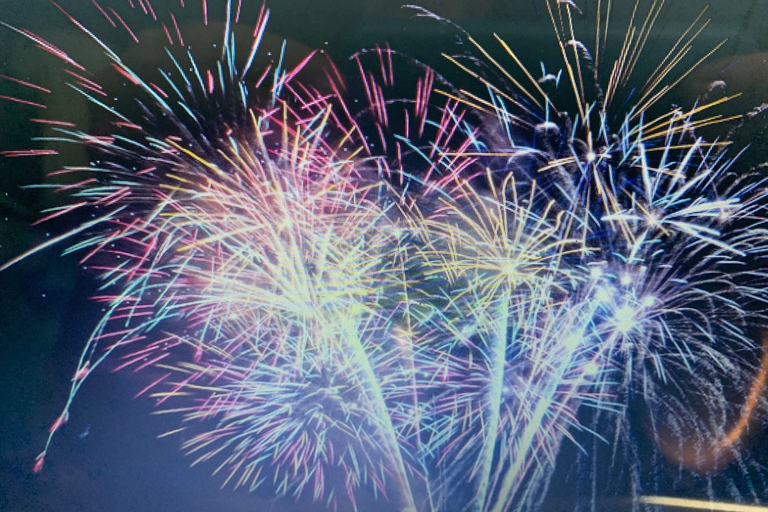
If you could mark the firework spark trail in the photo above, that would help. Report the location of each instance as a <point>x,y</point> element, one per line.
<point>418,295</point>
<point>499,258</point>
<point>263,246</point>
<point>674,294</point>
<point>668,233</point>
<point>253,240</point>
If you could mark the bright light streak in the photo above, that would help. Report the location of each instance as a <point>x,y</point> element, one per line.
<point>699,504</point>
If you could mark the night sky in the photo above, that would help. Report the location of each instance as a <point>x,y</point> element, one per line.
<point>108,456</point>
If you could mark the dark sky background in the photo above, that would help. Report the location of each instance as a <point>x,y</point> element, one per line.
<point>108,457</point>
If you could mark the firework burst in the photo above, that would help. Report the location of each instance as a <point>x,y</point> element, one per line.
<point>428,297</point>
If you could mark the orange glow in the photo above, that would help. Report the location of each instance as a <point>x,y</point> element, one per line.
<point>695,459</point>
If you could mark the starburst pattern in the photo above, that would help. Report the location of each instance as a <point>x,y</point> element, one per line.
<point>427,297</point>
